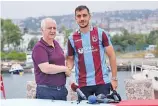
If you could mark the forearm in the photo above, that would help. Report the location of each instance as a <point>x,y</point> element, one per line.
<point>112,59</point>
<point>51,68</point>
<point>113,65</point>
<point>70,62</point>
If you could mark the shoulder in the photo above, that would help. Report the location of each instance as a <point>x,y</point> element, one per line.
<point>56,42</point>
<point>71,35</point>
<point>99,30</point>
<point>103,32</point>
<point>38,46</point>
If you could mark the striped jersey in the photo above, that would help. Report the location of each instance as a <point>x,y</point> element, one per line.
<point>88,50</point>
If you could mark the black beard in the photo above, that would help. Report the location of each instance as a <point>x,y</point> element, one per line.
<point>84,26</point>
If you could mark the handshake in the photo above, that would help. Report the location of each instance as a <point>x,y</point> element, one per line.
<point>68,72</point>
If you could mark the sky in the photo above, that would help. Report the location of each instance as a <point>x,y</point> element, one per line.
<point>24,9</point>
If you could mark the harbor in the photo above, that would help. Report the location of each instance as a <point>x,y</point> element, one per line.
<point>128,32</point>
<point>16,85</point>
<point>122,64</point>
<point>126,67</point>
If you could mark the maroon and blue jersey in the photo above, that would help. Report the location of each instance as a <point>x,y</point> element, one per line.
<point>88,50</point>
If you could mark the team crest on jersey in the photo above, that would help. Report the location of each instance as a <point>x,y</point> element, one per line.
<point>80,51</point>
<point>94,39</point>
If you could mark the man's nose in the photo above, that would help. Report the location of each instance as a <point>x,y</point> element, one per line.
<point>53,30</point>
<point>82,18</point>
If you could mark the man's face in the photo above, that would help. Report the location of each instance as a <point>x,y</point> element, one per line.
<point>50,30</point>
<point>82,18</point>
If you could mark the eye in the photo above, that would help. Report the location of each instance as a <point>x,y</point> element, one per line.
<point>49,28</point>
<point>78,16</point>
<point>84,15</point>
<point>54,28</point>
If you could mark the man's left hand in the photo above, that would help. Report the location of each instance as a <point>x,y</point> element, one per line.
<point>68,72</point>
<point>114,84</point>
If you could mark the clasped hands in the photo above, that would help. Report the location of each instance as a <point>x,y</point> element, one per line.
<point>68,72</point>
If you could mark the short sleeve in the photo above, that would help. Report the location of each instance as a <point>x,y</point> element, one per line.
<point>39,55</point>
<point>106,39</point>
<point>70,49</point>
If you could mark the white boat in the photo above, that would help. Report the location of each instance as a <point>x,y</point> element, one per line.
<point>16,69</point>
<point>148,72</point>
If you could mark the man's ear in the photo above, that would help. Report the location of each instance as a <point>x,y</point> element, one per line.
<point>89,16</point>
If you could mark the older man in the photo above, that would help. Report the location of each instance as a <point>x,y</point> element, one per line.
<point>49,64</point>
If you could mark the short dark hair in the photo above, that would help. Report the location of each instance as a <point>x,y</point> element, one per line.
<point>82,7</point>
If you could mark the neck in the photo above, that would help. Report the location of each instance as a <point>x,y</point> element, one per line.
<point>49,41</point>
<point>85,30</point>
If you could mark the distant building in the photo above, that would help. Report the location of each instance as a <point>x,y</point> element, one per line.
<point>115,31</point>
<point>26,39</point>
<point>60,39</point>
<point>151,47</point>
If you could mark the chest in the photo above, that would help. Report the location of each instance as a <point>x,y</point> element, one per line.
<point>87,43</point>
<point>55,55</point>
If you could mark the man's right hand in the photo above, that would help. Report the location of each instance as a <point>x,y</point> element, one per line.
<point>68,72</point>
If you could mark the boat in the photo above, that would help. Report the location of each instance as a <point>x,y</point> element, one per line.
<point>148,72</point>
<point>16,69</point>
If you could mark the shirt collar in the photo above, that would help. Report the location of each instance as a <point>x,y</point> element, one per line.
<point>45,43</point>
<point>78,30</point>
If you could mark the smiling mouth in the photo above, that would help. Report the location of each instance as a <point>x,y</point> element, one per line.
<point>52,33</point>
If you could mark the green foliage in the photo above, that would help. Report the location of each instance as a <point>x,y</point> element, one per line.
<point>124,40</point>
<point>153,37</point>
<point>156,51</point>
<point>2,42</point>
<point>11,33</point>
<point>13,56</point>
<point>3,55</point>
<point>67,33</point>
<point>139,41</point>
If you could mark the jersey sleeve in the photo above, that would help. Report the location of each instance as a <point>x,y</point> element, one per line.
<point>70,49</point>
<point>106,39</point>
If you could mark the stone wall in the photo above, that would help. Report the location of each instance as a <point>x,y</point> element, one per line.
<point>139,89</point>
<point>31,91</point>
<point>135,90</point>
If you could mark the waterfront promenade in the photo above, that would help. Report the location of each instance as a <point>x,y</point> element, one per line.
<point>124,64</point>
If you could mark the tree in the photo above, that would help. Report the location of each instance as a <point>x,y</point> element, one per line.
<point>32,42</point>
<point>11,34</point>
<point>125,32</point>
<point>153,37</point>
<point>67,33</point>
<point>2,42</point>
<point>156,50</point>
<point>125,40</point>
